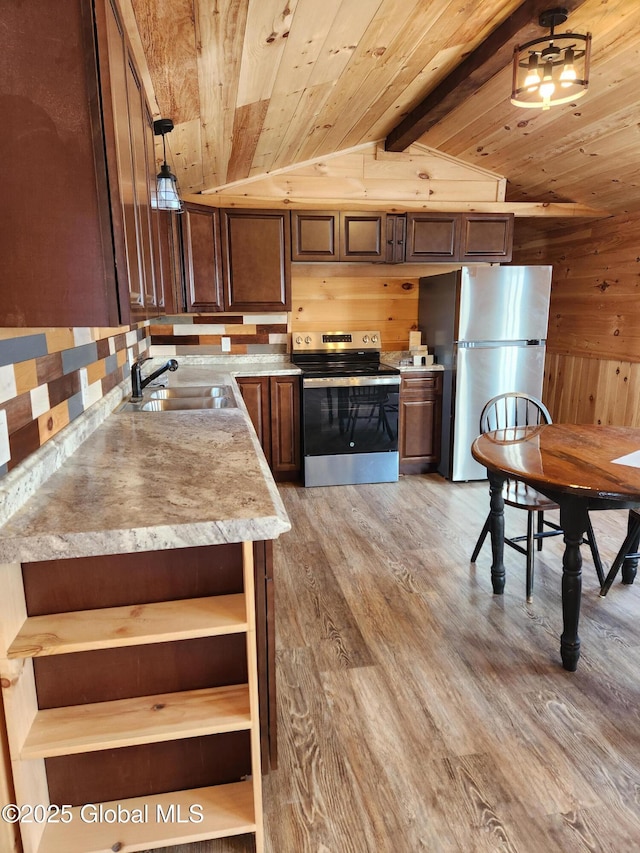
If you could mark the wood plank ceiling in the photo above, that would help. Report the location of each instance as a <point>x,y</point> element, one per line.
<point>258,85</point>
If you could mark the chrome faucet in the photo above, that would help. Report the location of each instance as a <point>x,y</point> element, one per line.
<point>138,383</point>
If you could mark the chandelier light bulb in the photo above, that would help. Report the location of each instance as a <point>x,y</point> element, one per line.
<point>532,80</point>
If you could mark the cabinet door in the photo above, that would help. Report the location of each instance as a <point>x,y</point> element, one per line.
<point>117,106</point>
<point>363,236</point>
<point>134,171</point>
<point>255,393</point>
<point>170,265</point>
<point>420,422</point>
<point>314,235</point>
<point>432,237</point>
<point>256,254</point>
<point>202,259</point>
<point>56,239</point>
<point>396,237</point>
<point>145,290</point>
<point>285,427</point>
<point>486,237</point>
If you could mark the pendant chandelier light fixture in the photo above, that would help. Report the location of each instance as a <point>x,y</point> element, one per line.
<point>167,197</point>
<point>553,69</point>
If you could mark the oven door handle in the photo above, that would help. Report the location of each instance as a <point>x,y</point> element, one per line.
<point>349,381</point>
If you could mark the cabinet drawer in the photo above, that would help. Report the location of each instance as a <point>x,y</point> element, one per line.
<point>420,382</point>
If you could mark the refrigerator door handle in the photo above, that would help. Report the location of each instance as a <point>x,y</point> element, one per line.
<point>486,344</point>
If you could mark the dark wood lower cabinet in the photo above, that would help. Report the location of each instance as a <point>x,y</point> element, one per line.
<point>273,403</point>
<point>420,422</point>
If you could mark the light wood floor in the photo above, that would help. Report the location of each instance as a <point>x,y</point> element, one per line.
<point>418,711</point>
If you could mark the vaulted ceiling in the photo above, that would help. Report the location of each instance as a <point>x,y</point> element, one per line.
<point>255,86</point>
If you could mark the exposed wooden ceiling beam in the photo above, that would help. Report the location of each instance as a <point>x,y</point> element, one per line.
<point>493,55</point>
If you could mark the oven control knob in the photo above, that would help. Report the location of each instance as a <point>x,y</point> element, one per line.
<point>307,340</point>
<point>365,339</point>
<point>299,339</point>
<point>374,339</point>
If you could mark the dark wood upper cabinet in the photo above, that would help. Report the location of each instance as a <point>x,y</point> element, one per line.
<point>56,236</point>
<point>315,235</point>
<point>331,235</point>
<point>127,120</point>
<point>79,242</point>
<point>139,124</point>
<point>363,236</point>
<point>432,237</point>
<point>484,237</point>
<point>170,294</point>
<point>396,238</point>
<point>256,260</point>
<point>202,258</point>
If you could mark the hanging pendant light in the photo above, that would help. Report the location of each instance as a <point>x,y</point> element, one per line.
<point>166,196</point>
<point>553,69</point>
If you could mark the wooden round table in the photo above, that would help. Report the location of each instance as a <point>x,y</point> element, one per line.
<point>574,466</point>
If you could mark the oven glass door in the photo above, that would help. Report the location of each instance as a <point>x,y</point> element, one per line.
<point>350,415</point>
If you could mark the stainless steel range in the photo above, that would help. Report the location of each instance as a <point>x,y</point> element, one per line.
<point>349,408</point>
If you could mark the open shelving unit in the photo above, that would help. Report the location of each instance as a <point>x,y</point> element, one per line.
<point>36,734</point>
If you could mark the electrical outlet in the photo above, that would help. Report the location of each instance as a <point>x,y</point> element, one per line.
<point>226,344</point>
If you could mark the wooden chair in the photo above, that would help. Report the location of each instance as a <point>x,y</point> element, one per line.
<point>628,555</point>
<point>511,410</point>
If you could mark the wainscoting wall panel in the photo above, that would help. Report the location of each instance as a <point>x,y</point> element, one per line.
<point>592,390</point>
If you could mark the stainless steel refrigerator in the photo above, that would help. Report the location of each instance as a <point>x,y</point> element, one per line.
<point>488,327</point>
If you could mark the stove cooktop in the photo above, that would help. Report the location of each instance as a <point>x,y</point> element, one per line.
<point>348,369</point>
<point>322,354</point>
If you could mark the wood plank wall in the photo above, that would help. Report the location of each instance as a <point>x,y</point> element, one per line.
<point>592,372</point>
<point>359,296</point>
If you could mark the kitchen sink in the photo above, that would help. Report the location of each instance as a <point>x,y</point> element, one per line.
<point>178,404</point>
<point>191,391</point>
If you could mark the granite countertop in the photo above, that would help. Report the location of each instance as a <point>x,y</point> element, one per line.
<point>396,359</point>
<point>148,481</point>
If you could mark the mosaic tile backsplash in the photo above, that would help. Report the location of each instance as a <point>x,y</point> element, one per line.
<point>203,334</point>
<point>48,377</point>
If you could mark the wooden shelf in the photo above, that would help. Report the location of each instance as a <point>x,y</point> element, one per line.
<point>36,734</point>
<point>227,810</point>
<point>145,719</point>
<point>84,630</point>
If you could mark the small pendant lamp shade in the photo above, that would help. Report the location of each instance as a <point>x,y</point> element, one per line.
<point>166,195</point>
